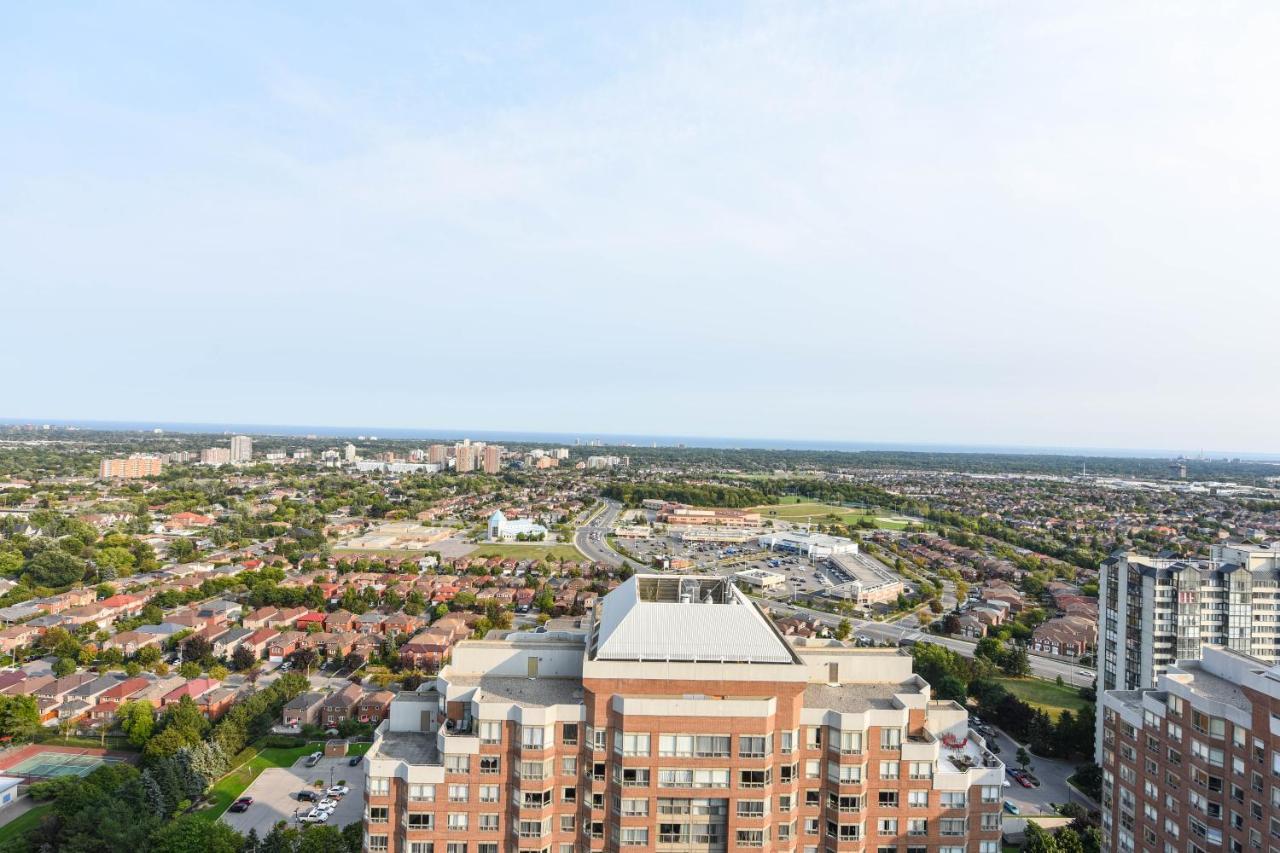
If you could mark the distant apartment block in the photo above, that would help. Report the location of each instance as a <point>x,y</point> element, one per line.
<point>1192,765</point>
<point>215,456</point>
<point>437,453</point>
<point>492,458</point>
<point>241,449</point>
<point>1155,611</point>
<point>679,718</point>
<point>608,461</point>
<point>133,467</point>
<point>464,458</point>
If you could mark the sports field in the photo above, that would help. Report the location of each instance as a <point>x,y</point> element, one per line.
<point>799,510</point>
<point>45,762</point>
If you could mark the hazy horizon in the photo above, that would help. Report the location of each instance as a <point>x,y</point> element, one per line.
<point>1002,224</point>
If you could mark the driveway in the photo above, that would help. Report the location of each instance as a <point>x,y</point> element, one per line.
<point>275,795</point>
<point>1051,772</point>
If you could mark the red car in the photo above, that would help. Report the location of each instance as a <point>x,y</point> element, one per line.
<point>242,804</point>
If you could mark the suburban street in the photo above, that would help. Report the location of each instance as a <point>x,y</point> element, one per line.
<point>591,539</point>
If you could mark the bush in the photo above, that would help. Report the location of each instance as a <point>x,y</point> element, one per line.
<point>283,741</point>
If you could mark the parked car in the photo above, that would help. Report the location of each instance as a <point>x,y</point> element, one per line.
<point>308,796</point>
<point>327,805</point>
<point>355,759</point>
<point>242,804</point>
<point>315,816</point>
<point>314,758</point>
<point>338,791</point>
<point>1029,781</point>
<point>1011,808</point>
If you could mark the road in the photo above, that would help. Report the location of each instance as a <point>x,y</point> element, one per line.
<point>1041,667</point>
<point>592,538</point>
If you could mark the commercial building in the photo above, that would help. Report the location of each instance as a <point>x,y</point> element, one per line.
<point>502,528</point>
<point>215,456</point>
<point>1192,764</point>
<point>680,515</point>
<point>1154,611</point>
<point>730,535</point>
<point>241,449</point>
<point>814,545</point>
<point>861,579</point>
<point>492,458</point>
<point>135,466</point>
<point>679,718</point>
<point>761,579</point>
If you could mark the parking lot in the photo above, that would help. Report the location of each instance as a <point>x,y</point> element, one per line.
<point>275,795</point>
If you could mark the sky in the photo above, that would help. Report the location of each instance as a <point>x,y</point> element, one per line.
<point>961,222</point>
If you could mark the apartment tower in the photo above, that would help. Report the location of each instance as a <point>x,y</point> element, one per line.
<point>676,717</point>
<point>1194,764</point>
<point>241,449</point>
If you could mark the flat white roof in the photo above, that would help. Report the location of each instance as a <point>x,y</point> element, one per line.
<point>685,618</point>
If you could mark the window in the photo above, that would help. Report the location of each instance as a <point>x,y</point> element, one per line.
<point>488,793</point>
<point>569,734</point>
<point>813,737</point>
<point>888,770</point>
<point>690,778</point>
<point>569,766</point>
<point>531,737</point>
<point>812,769</point>
<point>888,799</point>
<point>598,739</point>
<point>845,803</point>
<point>752,746</point>
<point>456,847</point>
<point>846,742</point>
<point>990,793</point>
<point>531,828</point>
<point>490,731</point>
<point>488,823</point>
<point>844,774</point>
<point>379,814</point>
<point>569,794</point>
<point>917,826</point>
<point>422,793</point>
<point>422,847</point>
<point>457,764</point>
<point>490,764</point>
<point>634,777</point>
<point>887,826</point>
<point>633,836</point>
<point>953,826</point>
<point>711,746</point>
<point>955,799</point>
<point>990,821</point>
<point>567,823</point>
<point>457,793</point>
<point>675,746</point>
<point>457,820</point>
<point>751,808</point>
<point>377,842</point>
<point>750,837</point>
<point>534,770</point>
<point>920,770</point>
<point>634,807</point>
<point>535,799</point>
<point>379,786</point>
<point>753,778</point>
<point>919,798</point>
<point>630,744</point>
<point>786,742</point>
<point>890,738</point>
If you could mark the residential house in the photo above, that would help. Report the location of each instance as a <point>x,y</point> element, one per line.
<point>340,705</point>
<point>303,710</point>
<point>260,618</point>
<point>1070,636</point>
<point>258,641</point>
<point>374,707</point>
<point>193,688</point>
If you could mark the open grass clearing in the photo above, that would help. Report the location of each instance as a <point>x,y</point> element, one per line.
<point>798,510</point>
<point>1044,695</point>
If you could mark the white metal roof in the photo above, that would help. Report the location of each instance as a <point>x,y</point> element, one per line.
<point>731,630</point>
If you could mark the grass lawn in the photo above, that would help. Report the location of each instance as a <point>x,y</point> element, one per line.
<point>229,788</point>
<point>529,551</point>
<point>796,509</point>
<point>1045,695</point>
<point>24,823</point>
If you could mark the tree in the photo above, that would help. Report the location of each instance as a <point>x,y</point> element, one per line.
<point>1023,758</point>
<point>1037,840</point>
<point>137,721</point>
<point>1068,841</point>
<point>193,834</point>
<point>190,670</point>
<point>19,717</point>
<point>219,672</point>
<point>843,630</point>
<point>63,667</point>
<point>197,648</point>
<point>243,658</point>
<point>304,659</point>
<point>52,567</point>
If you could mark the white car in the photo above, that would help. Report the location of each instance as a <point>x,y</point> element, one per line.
<point>338,791</point>
<point>327,805</point>
<point>315,816</point>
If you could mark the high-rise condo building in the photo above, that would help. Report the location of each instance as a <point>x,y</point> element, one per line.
<point>437,453</point>
<point>464,458</point>
<point>1193,764</point>
<point>241,449</point>
<point>349,452</point>
<point>492,458</point>
<point>215,456</point>
<point>1154,611</point>
<point>678,718</point>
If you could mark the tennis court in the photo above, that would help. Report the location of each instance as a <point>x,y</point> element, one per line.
<point>42,763</point>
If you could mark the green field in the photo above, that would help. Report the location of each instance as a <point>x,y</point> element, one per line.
<point>229,788</point>
<point>529,551</point>
<point>24,823</point>
<point>1045,695</point>
<point>796,509</point>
